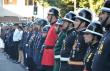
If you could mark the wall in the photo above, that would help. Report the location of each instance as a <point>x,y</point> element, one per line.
<point>25,11</point>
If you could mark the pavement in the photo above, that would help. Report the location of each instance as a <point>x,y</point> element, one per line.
<point>7,65</point>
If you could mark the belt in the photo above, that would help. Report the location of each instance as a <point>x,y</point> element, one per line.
<point>64,59</point>
<point>76,63</point>
<point>49,47</point>
<point>57,56</point>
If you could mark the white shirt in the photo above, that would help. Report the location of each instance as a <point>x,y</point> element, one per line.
<point>1,43</point>
<point>17,35</point>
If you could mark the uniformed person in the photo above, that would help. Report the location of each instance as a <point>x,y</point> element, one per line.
<point>30,47</point>
<point>9,42</point>
<point>44,34</point>
<point>28,36</point>
<point>48,54</point>
<point>38,42</point>
<point>67,42</point>
<point>79,47</point>
<point>23,43</point>
<point>39,24</point>
<point>101,61</point>
<point>63,28</point>
<point>92,36</point>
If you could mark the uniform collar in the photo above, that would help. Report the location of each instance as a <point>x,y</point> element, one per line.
<point>94,45</point>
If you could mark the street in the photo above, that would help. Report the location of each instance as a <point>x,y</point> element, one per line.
<point>7,65</point>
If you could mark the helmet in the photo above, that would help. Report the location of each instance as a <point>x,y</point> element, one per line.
<point>106,7</point>
<point>94,28</point>
<point>54,11</point>
<point>43,22</point>
<point>36,21</point>
<point>10,24</point>
<point>30,24</point>
<point>24,24</point>
<point>85,14</point>
<point>59,21</point>
<point>70,16</point>
<point>46,28</point>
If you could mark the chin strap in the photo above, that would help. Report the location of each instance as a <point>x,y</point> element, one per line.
<point>50,19</point>
<point>92,42</point>
<point>79,25</point>
<point>105,22</point>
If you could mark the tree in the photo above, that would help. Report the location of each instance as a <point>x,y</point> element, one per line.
<point>94,5</point>
<point>67,5</point>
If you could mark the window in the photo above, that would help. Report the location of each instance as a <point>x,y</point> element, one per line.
<point>10,1</point>
<point>29,2</point>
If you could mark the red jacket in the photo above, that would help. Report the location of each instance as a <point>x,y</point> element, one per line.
<point>51,37</point>
<point>48,54</point>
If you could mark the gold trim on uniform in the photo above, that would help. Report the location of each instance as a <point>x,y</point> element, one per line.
<point>89,56</point>
<point>100,49</point>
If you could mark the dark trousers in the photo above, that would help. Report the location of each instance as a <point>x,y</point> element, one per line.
<point>57,65</point>
<point>47,68</point>
<point>31,64</point>
<point>9,51</point>
<point>25,59</point>
<point>15,51</point>
<point>64,66</point>
<point>5,49</point>
<point>76,68</point>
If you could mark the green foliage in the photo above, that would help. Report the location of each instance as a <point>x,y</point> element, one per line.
<point>44,3</point>
<point>67,5</point>
<point>94,5</point>
<point>97,5</point>
<point>84,3</point>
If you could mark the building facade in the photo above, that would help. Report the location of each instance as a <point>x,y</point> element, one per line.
<point>22,8</point>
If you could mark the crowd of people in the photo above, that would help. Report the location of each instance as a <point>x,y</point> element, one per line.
<point>75,42</point>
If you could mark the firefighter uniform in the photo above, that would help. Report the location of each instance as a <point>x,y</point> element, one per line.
<point>101,61</point>
<point>89,56</point>
<point>94,29</point>
<point>68,41</point>
<point>66,48</point>
<point>79,47</point>
<point>78,52</point>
